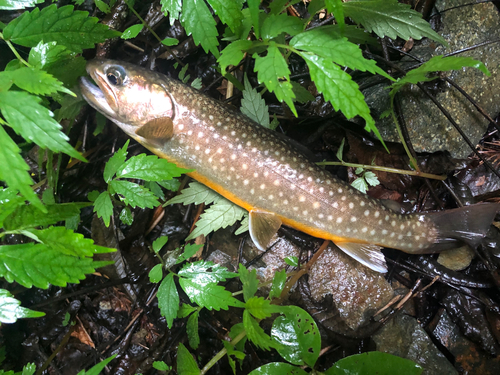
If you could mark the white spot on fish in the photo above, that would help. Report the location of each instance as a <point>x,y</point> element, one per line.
<point>364,230</point>
<point>402,226</point>
<point>353,219</point>
<point>377,213</point>
<point>393,223</point>
<point>321,216</point>
<point>339,220</point>
<point>207,151</point>
<point>335,205</point>
<point>295,208</point>
<point>244,166</point>
<point>316,204</point>
<point>343,198</point>
<point>200,135</point>
<point>252,191</point>
<point>304,213</point>
<point>351,205</point>
<point>245,182</point>
<point>262,186</point>
<point>384,232</point>
<point>330,217</point>
<point>321,190</point>
<point>340,190</point>
<point>271,197</point>
<point>372,232</point>
<point>180,127</point>
<point>367,212</point>
<point>302,198</point>
<point>190,132</point>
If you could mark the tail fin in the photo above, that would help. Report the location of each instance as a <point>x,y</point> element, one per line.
<point>467,224</point>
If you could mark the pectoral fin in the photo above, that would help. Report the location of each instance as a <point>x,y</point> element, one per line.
<point>157,131</point>
<point>263,226</point>
<point>367,254</point>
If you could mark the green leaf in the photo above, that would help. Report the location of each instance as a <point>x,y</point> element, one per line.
<point>170,42</point>
<point>185,310</point>
<point>256,334</point>
<point>210,296</point>
<point>254,106</point>
<point>233,53</point>
<point>159,243</point>
<point>186,365</point>
<point>18,4</point>
<point>96,369</point>
<point>134,194</point>
<point>249,281</point>
<point>390,18</point>
<point>103,207</point>
<point>45,54</point>
<point>115,162</point>
<point>204,272</point>
<point>11,309</point>
<point>278,368</point>
<point>35,81</point>
<point>149,168</point>
<point>253,5</point>
<point>156,273</point>
<point>189,251</point>
<point>16,176</point>
<point>68,242</point>
<point>27,216</point>
<point>279,281</point>
<point>360,184</point>
<point>73,29</point>
<point>340,151</point>
<point>298,335</point>
<point>261,308</point>
<point>192,331</point>
<point>34,122</point>
<point>9,201</point>
<point>168,299</point>
<point>327,42</point>
<point>132,31</point>
<point>335,7</point>
<point>231,352</point>
<point>29,369</point>
<point>229,12</point>
<point>126,216</point>
<point>102,6</point>
<point>272,70</point>
<point>364,363</point>
<point>172,185</point>
<point>292,261</point>
<point>221,214</point>
<point>199,22</point>
<point>339,89</point>
<point>162,366</point>
<point>243,225</point>
<point>70,108</point>
<point>275,24</point>
<point>36,264</point>
<point>302,95</point>
<point>171,8</point>
<point>196,193</point>
<point>371,178</point>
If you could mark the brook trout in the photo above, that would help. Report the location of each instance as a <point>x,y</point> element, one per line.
<point>258,170</point>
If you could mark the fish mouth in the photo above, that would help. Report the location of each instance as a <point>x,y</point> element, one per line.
<point>98,96</point>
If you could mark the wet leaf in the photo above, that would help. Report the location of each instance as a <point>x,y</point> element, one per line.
<point>292,261</point>
<point>233,53</point>
<point>335,7</point>
<point>185,310</point>
<point>9,201</point>
<point>275,24</point>
<point>171,8</point>
<point>205,272</point>
<point>210,296</point>
<point>196,193</point>
<point>168,299</point>
<point>134,194</point>
<point>229,12</point>
<point>278,368</point>
<point>198,21</point>
<point>35,81</point>
<point>159,243</point>
<point>172,185</point>
<point>365,363</point>
<point>170,42</point>
<point>189,251</point>
<point>298,335</point>
<point>156,273</point>
<point>18,4</point>
<point>96,369</point>
<point>192,331</point>
<point>261,308</point>
<point>253,105</point>
<point>149,168</point>
<point>186,365</point>
<point>11,309</point>
<point>255,333</point>
<point>126,216</point>
<point>115,162</point>
<point>279,281</point>
<point>249,281</point>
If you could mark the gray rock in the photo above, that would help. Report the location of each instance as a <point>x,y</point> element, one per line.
<point>428,128</point>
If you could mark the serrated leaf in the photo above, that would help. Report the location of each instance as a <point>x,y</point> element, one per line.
<point>70,108</point>
<point>168,299</point>
<point>16,176</point>
<point>210,296</point>
<point>45,54</point>
<point>233,53</point>
<point>9,201</point>
<point>171,8</point>
<point>298,335</point>
<point>34,122</point>
<point>156,273</point>
<point>185,310</point>
<point>243,225</point>
<point>231,352</point>
<point>371,178</point>
<point>186,365</point>
<point>261,308</point>
<point>11,309</point>
<point>149,168</point>
<point>132,31</point>
<point>229,12</point>
<point>103,207</point>
<point>35,264</point>
<point>35,81</point>
<point>68,70</point>
<point>302,95</point>
<point>115,162</point>
<point>172,185</point>
<point>278,284</point>
<point>275,24</point>
<point>249,281</point>
<point>254,106</point>
<point>189,251</point>
<point>199,22</point>
<point>364,363</point>
<point>278,368</point>
<point>18,4</point>
<point>204,272</point>
<point>28,216</point>
<point>272,70</point>
<point>390,18</point>
<point>335,7</point>
<point>73,29</point>
<point>126,216</point>
<point>360,184</point>
<point>196,193</point>
<point>192,331</point>
<point>68,242</point>
<point>221,214</point>
<point>255,333</point>
<point>339,89</point>
<point>327,42</point>
<point>133,194</point>
<point>253,5</point>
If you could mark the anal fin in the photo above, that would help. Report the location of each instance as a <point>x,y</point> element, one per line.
<point>367,254</point>
<point>263,226</point>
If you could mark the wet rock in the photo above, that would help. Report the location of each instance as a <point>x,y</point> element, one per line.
<point>429,130</point>
<point>403,336</point>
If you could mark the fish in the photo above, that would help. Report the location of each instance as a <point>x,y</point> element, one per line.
<point>260,171</point>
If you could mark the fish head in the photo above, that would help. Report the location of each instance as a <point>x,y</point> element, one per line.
<point>129,95</point>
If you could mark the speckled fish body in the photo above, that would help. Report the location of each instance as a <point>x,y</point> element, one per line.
<point>250,165</point>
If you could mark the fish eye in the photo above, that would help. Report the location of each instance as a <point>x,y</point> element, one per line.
<point>116,76</point>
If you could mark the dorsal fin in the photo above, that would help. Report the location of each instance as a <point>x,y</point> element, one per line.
<point>367,254</point>
<point>263,226</point>
<point>157,131</point>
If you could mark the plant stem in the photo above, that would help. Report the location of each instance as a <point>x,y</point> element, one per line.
<point>14,51</point>
<point>222,353</point>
